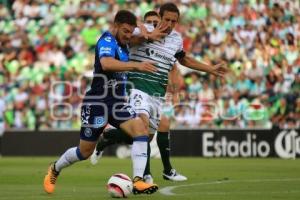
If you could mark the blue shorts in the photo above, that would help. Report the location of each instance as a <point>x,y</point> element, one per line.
<point>96,115</point>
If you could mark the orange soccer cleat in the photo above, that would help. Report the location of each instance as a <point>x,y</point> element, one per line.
<point>141,187</point>
<point>50,179</point>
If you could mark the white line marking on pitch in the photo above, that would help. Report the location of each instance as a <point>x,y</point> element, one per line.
<point>168,190</point>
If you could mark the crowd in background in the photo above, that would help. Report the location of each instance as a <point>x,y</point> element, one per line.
<point>47,55</point>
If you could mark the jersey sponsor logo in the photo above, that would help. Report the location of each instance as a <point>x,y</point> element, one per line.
<point>107,39</point>
<point>287,144</point>
<point>99,121</point>
<point>151,52</point>
<point>88,132</point>
<point>104,50</point>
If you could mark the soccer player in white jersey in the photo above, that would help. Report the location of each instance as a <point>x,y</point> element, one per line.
<point>149,91</point>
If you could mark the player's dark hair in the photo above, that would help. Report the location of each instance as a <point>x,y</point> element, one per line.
<point>150,13</point>
<point>125,17</point>
<point>171,7</point>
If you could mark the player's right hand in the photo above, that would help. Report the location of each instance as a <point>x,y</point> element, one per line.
<point>145,67</point>
<point>219,69</point>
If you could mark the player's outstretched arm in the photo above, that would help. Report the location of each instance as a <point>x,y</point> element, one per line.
<point>112,64</point>
<point>173,83</point>
<point>219,69</point>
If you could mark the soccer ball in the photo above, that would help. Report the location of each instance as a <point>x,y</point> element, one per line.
<point>119,186</point>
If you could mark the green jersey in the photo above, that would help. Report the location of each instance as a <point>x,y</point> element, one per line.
<point>162,54</point>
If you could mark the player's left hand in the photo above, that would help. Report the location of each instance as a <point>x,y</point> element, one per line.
<point>143,29</point>
<point>219,69</point>
<point>158,33</point>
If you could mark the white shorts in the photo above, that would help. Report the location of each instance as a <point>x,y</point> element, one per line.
<point>148,105</point>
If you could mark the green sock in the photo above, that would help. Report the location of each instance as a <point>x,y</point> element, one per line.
<point>147,169</point>
<point>113,136</point>
<point>163,143</point>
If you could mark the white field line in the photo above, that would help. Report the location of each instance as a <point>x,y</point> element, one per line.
<point>169,189</point>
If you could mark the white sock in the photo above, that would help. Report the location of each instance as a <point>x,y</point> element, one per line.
<point>71,156</point>
<point>139,155</point>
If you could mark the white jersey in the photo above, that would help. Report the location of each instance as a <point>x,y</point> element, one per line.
<point>162,53</point>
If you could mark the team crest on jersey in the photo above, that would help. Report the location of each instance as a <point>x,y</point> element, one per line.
<point>88,132</point>
<point>99,121</point>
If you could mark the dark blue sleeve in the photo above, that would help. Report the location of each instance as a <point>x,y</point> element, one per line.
<point>106,47</point>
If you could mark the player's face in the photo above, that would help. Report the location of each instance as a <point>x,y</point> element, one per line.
<point>124,33</point>
<point>154,20</point>
<point>170,19</point>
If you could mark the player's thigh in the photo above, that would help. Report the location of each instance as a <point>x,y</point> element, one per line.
<point>123,116</point>
<point>148,108</point>
<point>155,114</point>
<point>134,127</point>
<point>145,119</point>
<point>164,124</point>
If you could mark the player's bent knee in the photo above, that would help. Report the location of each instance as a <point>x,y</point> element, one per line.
<point>163,128</point>
<point>164,125</point>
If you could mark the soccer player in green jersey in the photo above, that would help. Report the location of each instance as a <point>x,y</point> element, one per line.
<point>149,90</point>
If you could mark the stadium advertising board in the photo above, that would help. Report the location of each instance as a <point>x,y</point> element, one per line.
<point>205,143</point>
<point>237,143</point>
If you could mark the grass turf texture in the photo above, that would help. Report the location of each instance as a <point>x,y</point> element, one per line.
<point>234,179</point>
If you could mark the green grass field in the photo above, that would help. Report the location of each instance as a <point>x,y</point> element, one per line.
<point>234,179</point>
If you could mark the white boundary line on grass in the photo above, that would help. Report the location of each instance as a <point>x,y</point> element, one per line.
<point>168,190</point>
